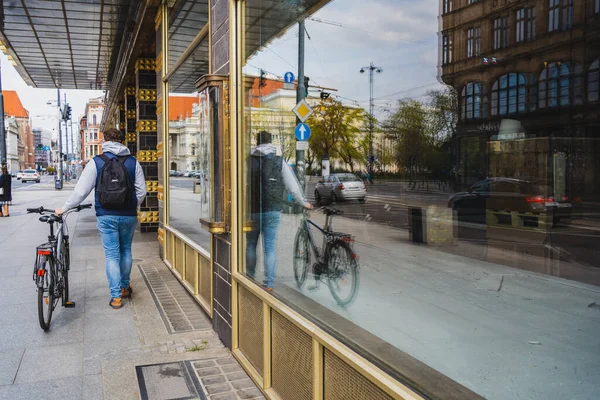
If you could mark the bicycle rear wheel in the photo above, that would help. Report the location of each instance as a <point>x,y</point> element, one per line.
<point>301,256</point>
<point>45,284</point>
<point>342,273</point>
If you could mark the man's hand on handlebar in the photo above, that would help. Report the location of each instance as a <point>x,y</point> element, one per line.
<point>308,206</point>
<point>59,211</point>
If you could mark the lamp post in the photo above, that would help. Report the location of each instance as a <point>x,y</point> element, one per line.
<point>372,70</point>
<point>3,157</point>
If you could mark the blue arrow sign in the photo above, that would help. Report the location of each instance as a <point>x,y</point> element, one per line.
<point>46,148</point>
<point>289,77</point>
<point>302,132</point>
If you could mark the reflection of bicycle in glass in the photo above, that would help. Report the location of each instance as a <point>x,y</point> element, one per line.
<point>336,260</point>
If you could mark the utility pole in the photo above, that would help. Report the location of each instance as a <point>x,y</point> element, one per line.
<point>300,95</point>
<point>59,182</point>
<point>3,155</point>
<point>372,69</point>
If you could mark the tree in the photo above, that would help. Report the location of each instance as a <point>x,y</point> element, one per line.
<point>408,128</point>
<point>336,132</point>
<point>443,105</point>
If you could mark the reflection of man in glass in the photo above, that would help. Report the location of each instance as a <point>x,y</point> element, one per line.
<point>270,177</point>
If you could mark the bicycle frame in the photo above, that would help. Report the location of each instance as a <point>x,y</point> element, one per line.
<point>326,231</point>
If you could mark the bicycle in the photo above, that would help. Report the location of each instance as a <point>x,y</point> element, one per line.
<point>336,260</point>
<point>52,264</point>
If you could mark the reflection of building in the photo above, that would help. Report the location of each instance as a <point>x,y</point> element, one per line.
<point>90,128</point>
<point>14,108</point>
<point>12,143</point>
<point>535,62</point>
<point>184,133</point>
<point>41,156</point>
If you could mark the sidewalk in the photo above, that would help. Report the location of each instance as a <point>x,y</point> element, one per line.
<point>93,351</point>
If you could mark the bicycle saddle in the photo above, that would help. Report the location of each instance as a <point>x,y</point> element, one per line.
<point>331,211</point>
<point>49,218</point>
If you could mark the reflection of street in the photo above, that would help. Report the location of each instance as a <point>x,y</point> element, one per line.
<point>467,318</point>
<point>568,251</point>
<point>187,209</point>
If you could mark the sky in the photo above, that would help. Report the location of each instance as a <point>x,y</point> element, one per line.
<point>400,36</point>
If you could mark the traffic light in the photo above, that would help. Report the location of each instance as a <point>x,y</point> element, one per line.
<point>262,80</point>
<point>324,95</point>
<point>306,80</point>
<point>64,157</point>
<point>66,113</point>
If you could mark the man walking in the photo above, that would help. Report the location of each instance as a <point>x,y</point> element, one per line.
<point>120,188</point>
<point>270,177</point>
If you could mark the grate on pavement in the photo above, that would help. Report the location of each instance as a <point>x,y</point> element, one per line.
<point>169,381</point>
<point>179,310</point>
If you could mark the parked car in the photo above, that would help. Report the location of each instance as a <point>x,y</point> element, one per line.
<point>341,187</point>
<point>508,194</point>
<point>30,175</point>
<point>20,175</point>
<point>188,174</point>
<point>174,173</point>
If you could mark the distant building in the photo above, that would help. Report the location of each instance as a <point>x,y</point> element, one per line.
<point>91,136</point>
<point>14,108</point>
<point>42,157</point>
<point>11,127</point>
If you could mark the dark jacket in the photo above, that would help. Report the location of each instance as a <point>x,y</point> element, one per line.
<point>6,184</point>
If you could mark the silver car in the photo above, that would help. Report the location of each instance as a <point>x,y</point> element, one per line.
<point>341,187</point>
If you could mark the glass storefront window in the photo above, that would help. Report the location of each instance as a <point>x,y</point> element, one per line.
<point>455,208</point>
<point>190,154</point>
<point>186,18</point>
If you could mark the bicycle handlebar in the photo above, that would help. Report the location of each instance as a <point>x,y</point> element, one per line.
<point>41,210</point>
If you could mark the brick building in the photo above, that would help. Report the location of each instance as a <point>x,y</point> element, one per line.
<point>527,77</point>
<point>14,108</point>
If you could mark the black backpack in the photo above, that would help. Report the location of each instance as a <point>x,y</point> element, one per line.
<point>268,190</point>
<point>114,187</point>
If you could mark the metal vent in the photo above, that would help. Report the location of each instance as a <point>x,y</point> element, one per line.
<point>251,327</point>
<point>342,382</point>
<point>292,361</point>
<point>190,267</point>
<point>179,255</point>
<point>204,276</point>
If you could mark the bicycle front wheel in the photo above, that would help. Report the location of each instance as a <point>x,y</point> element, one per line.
<point>342,273</point>
<point>65,271</point>
<point>301,256</point>
<point>45,284</point>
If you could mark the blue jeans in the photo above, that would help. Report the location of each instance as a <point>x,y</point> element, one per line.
<point>267,223</point>
<point>117,234</point>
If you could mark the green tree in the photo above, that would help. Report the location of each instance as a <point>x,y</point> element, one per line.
<point>443,115</point>
<point>336,131</point>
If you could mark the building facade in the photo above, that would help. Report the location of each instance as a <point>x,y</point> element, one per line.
<point>90,132</point>
<point>14,108</point>
<point>12,144</point>
<point>527,76</point>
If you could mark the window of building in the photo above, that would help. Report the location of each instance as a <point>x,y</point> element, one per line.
<point>553,15</point>
<point>500,32</point>
<point>567,14</point>
<point>473,101</point>
<point>473,42</point>
<point>94,118</point>
<point>530,23</point>
<point>447,49</point>
<point>447,6</point>
<point>593,74</point>
<point>554,86</point>
<point>525,24</point>
<point>509,94</point>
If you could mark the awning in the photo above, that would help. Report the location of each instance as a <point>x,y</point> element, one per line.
<point>72,44</point>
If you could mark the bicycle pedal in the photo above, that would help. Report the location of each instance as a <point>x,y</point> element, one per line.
<point>70,304</point>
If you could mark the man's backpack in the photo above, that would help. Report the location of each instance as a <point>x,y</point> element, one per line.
<point>115,190</point>
<point>268,189</point>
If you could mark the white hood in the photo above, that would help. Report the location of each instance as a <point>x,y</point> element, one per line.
<point>116,148</point>
<point>264,150</point>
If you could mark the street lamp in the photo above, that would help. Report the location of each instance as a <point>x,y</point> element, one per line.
<point>372,69</point>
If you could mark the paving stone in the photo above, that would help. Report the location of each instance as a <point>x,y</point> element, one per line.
<point>231,368</point>
<point>250,393</point>
<point>204,364</point>
<point>243,384</point>
<point>227,361</point>
<point>208,371</point>
<point>211,380</point>
<point>218,388</point>
<point>236,376</point>
<point>225,396</point>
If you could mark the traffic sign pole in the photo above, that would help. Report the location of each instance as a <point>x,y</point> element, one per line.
<point>300,95</point>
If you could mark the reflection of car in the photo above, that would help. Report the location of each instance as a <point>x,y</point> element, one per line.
<point>341,187</point>
<point>20,175</point>
<point>187,174</point>
<point>175,173</point>
<point>507,194</point>
<point>30,175</point>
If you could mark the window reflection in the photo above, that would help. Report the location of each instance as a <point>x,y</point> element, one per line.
<point>475,222</point>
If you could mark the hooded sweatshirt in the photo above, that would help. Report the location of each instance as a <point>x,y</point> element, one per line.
<point>87,180</point>
<point>289,179</point>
